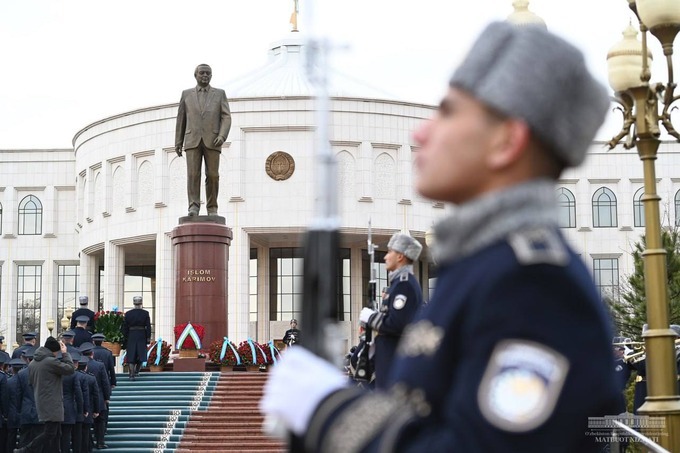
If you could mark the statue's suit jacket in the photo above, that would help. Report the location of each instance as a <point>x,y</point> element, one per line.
<point>196,122</point>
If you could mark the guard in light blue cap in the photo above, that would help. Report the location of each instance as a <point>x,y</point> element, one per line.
<point>83,301</point>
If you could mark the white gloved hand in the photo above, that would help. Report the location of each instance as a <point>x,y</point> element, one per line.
<point>365,314</point>
<point>296,386</point>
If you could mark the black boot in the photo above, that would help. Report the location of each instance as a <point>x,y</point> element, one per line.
<point>131,371</point>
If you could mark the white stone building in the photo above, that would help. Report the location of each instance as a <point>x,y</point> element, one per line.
<point>96,219</point>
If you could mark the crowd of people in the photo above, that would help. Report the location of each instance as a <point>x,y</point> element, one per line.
<point>56,397</point>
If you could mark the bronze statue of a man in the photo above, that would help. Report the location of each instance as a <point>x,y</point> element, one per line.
<point>203,123</point>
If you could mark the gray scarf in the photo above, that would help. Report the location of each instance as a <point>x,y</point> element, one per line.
<point>490,218</point>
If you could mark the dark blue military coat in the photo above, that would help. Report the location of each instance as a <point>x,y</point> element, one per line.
<point>103,355</point>
<point>622,371</point>
<point>81,336</point>
<point>98,370</point>
<point>18,352</point>
<point>28,413</point>
<point>4,395</point>
<point>137,333</point>
<point>91,395</point>
<point>13,415</point>
<point>398,308</point>
<point>512,354</point>
<point>83,312</point>
<point>73,398</point>
<point>85,391</point>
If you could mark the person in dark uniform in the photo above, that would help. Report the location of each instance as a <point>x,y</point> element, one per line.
<point>13,411</point>
<point>399,306</point>
<point>98,370</point>
<point>137,334</point>
<point>29,424</point>
<point>67,337</point>
<point>292,335</point>
<point>621,369</point>
<point>81,334</point>
<point>30,341</point>
<point>73,405</point>
<point>4,397</point>
<point>103,355</point>
<point>77,435</point>
<point>92,399</point>
<point>513,350</point>
<point>3,353</point>
<point>83,311</point>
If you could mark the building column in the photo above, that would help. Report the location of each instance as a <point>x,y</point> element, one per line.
<point>88,274</point>
<point>165,289</point>
<point>9,212</point>
<point>239,298</point>
<point>357,291</point>
<point>263,319</point>
<point>114,275</point>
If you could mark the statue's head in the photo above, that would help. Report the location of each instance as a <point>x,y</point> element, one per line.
<point>203,74</point>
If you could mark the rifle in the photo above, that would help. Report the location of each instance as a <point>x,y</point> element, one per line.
<point>364,370</point>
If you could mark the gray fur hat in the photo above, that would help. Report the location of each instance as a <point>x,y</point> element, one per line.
<point>137,300</point>
<point>83,300</point>
<point>403,243</point>
<point>531,74</point>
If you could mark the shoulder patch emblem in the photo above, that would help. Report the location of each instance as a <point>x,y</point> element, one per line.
<point>421,338</point>
<point>403,277</point>
<point>537,246</point>
<point>521,385</point>
<point>399,302</point>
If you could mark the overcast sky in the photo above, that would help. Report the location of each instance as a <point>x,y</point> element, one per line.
<point>68,63</point>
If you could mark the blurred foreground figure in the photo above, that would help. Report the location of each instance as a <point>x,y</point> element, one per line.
<point>513,352</point>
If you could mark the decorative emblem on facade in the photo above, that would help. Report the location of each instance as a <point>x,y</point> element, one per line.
<point>280,166</point>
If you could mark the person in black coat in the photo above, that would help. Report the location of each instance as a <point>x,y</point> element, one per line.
<point>73,405</point>
<point>137,334</point>
<point>4,354</point>
<point>81,334</point>
<point>98,370</point>
<point>621,369</point>
<point>83,311</point>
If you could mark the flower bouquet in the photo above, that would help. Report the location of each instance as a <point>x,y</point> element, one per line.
<point>188,338</point>
<point>223,352</point>
<point>110,324</point>
<point>252,353</point>
<point>159,353</point>
<point>272,352</point>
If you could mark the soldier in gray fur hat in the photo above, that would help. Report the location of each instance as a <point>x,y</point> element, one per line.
<point>492,362</point>
<point>399,305</point>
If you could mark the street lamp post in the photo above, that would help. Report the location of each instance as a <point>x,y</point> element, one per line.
<point>629,76</point>
<point>50,325</point>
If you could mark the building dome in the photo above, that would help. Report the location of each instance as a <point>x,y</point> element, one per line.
<point>285,75</point>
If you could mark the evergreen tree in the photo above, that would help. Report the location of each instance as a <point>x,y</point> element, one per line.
<point>630,311</point>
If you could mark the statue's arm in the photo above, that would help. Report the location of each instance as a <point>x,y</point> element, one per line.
<point>225,121</point>
<point>181,126</point>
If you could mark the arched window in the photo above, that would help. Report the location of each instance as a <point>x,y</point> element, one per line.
<point>639,208</point>
<point>677,207</point>
<point>30,215</point>
<point>604,208</point>
<point>566,216</point>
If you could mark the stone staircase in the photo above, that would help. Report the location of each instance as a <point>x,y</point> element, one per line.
<point>185,412</point>
<point>232,421</point>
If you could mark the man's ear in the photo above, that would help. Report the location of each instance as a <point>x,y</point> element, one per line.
<point>510,140</point>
